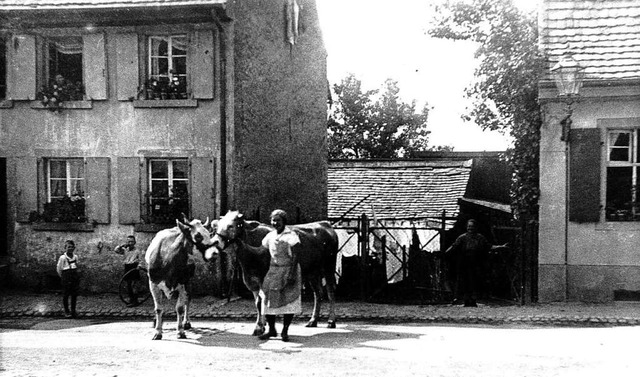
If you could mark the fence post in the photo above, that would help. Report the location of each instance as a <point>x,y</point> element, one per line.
<point>443,228</point>
<point>364,257</point>
<point>404,262</point>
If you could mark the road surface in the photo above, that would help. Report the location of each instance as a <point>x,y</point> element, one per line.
<point>34,346</point>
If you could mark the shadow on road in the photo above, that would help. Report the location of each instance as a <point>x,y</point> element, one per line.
<point>348,336</point>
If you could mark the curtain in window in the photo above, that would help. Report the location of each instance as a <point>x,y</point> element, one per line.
<point>76,175</point>
<point>68,46</point>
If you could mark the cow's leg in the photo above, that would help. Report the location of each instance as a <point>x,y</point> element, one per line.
<point>260,320</point>
<point>158,304</point>
<point>187,306</point>
<point>316,287</point>
<point>331,293</point>
<point>180,311</point>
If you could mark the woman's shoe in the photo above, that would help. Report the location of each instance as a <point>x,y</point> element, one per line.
<point>268,335</point>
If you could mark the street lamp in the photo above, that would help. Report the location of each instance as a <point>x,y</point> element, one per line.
<point>568,75</point>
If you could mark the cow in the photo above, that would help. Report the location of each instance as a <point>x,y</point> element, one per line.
<point>171,267</point>
<point>318,253</point>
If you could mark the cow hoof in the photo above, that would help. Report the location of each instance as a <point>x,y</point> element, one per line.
<point>182,336</point>
<point>331,324</point>
<point>258,332</point>
<point>312,324</point>
<point>157,337</point>
<point>187,326</point>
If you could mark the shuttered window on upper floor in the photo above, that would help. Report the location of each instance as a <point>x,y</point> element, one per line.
<point>166,65</point>
<point>72,64</point>
<point>180,61</point>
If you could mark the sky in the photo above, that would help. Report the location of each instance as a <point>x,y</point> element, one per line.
<point>376,40</point>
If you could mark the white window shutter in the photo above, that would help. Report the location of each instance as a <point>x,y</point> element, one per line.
<point>126,66</point>
<point>201,77</point>
<point>94,66</point>
<point>22,85</point>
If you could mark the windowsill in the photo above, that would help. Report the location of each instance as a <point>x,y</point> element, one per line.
<point>151,228</point>
<point>620,226</point>
<point>6,104</point>
<point>64,227</point>
<point>164,103</point>
<point>78,105</point>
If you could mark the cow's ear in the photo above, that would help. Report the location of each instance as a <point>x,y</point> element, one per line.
<point>183,227</point>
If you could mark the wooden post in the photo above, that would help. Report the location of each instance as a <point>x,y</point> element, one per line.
<point>384,257</point>
<point>404,261</point>
<point>364,257</point>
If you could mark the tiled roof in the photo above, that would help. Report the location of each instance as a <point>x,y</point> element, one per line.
<point>97,4</point>
<point>396,190</point>
<point>602,35</point>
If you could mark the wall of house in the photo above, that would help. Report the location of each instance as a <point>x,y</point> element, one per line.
<point>113,131</point>
<point>583,261</point>
<point>280,157</point>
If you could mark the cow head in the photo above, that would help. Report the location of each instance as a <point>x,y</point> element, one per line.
<point>229,229</point>
<point>196,233</point>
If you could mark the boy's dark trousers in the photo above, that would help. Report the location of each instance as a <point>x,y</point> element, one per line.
<point>70,285</point>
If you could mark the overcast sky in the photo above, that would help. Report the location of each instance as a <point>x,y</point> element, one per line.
<point>376,40</point>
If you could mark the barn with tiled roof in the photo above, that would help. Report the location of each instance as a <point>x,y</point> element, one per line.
<point>396,190</point>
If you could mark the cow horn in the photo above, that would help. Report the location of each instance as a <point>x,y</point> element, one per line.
<point>184,218</point>
<point>206,223</point>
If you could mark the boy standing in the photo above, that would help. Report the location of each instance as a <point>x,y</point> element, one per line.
<point>67,269</point>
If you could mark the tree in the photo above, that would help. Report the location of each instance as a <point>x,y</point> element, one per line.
<point>360,127</point>
<point>505,92</point>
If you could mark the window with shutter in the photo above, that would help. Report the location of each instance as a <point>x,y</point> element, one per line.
<point>64,191</point>
<point>178,66</point>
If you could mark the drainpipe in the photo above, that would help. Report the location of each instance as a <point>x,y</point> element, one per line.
<point>566,131</point>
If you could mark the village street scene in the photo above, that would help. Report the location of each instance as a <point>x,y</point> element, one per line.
<point>319,187</point>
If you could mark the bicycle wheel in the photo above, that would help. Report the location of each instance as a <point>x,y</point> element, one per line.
<point>139,287</point>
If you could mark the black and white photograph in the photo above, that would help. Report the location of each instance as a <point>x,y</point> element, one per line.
<point>435,188</point>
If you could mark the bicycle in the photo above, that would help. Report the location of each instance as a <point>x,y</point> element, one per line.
<point>139,285</point>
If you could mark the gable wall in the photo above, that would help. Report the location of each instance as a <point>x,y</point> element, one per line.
<point>280,157</point>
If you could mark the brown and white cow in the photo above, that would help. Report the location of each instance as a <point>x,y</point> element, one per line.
<point>319,250</point>
<point>171,266</point>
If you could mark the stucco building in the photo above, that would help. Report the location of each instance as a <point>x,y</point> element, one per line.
<point>194,106</point>
<point>589,156</point>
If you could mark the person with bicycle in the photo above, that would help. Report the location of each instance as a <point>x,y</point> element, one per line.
<point>132,259</point>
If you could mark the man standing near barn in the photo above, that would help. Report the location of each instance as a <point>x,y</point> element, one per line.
<point>282,285</point>
<point>471,249</point>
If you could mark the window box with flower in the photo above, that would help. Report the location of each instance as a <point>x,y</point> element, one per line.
<point>58,92</point>
<point>63,214</point>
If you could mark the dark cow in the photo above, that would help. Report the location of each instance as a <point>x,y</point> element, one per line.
<point>318,253</point>
<point>171,267</point>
